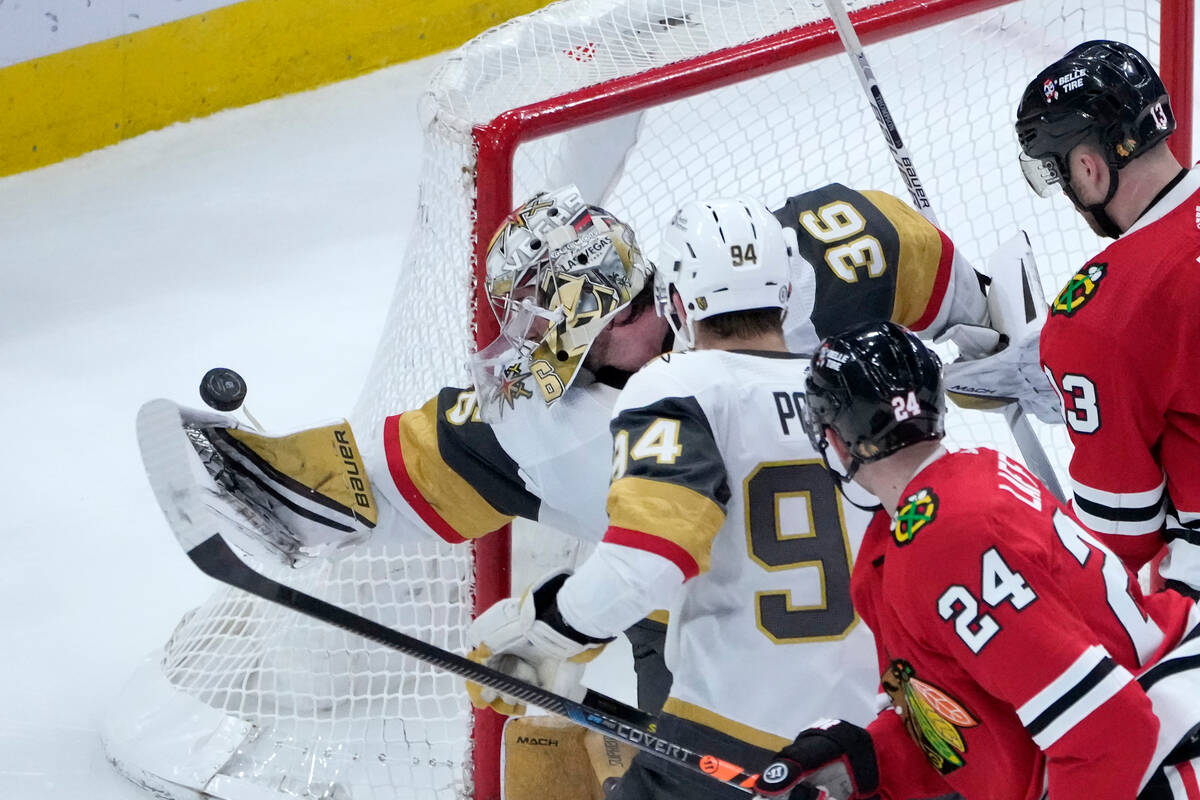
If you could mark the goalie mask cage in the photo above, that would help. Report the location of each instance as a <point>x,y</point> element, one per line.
<point>644,104</point>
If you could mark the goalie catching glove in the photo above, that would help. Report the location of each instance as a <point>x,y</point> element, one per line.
<point>527,638</point>
<point>292,498</point>
<point>831,755</point>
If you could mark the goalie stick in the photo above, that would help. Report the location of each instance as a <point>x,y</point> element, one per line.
<point>1031,449</point>
<point>190,502</point>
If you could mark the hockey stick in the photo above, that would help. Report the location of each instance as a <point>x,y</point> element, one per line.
<point>603,714</point>
<point>192,504</point>
<point>1022,432</point>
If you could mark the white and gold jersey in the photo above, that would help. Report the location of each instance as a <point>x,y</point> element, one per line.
<point>863,256</point>
<point>716,487</point>
<point>462,477</point>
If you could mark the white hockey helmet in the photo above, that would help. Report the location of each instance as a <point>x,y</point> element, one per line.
<point>721,256</point>
<point>558,271</point>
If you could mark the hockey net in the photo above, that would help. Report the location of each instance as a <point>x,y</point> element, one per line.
<point>644,104</point>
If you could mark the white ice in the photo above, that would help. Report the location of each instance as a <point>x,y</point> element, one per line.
<point>266,239</point>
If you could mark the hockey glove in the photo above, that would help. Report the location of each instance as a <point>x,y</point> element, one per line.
<point>832,755</point>
<point>527,638</point>
<point>999,362</point>
<point>295,499</point>
<point>1012,374</point>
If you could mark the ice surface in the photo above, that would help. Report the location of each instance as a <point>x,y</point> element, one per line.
<point>266,239</point>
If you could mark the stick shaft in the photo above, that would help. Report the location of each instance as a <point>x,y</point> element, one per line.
<point>887,124</point>
<point>607,716</point>
<point>1031,449</point>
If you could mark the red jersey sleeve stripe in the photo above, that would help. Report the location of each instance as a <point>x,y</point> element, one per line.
<point>656,545</point>
<point>408,490</point>
<point>942,280</point>
<point>1083,687</point>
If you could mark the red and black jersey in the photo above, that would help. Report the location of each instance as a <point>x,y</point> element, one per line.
<point>1009,639</point>
<point>1121,348</point>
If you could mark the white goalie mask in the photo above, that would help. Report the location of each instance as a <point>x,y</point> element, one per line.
<point>721,256</point>
<point>558,271</point>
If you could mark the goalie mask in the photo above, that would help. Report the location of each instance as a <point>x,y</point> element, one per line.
<point>558,271</point>
<point>879,388</point>
<point>720,257</point>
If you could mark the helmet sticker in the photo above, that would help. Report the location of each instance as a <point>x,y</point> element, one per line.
<point>831,359</point>
<point>1160,117</point>
<point>1050,88</point>
<point>1072,80</point>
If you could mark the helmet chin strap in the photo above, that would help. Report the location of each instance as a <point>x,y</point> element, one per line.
<point>1099,211</point>
<point>840,480</point>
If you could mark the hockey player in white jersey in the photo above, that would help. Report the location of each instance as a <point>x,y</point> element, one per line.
<point>531,442</point>
<point>537,444</point>
<point>720,508</point>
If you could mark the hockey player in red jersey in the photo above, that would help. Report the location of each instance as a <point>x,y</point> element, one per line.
<point>1119,343</point>
<point>1019,655</point>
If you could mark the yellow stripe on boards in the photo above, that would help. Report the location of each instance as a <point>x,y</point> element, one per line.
<point>66,104</point>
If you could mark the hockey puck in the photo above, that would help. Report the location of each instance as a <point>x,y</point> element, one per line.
<point>222,389</point>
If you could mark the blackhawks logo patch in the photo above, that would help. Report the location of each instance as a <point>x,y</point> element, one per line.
<point>918,510</point>
<point>1080,289</point>
<point>932,718</point>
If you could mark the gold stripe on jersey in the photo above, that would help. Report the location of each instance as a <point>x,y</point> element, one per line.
<point>920,257</point>
<point>452,497</point>
<point>661,616</point>
<point>711,719</point>
<point>668,511</point>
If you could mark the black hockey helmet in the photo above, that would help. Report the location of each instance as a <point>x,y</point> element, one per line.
<point>1101,91</point>
<point>879,388</point>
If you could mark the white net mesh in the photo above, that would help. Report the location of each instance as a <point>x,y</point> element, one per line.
<point>335,717</point>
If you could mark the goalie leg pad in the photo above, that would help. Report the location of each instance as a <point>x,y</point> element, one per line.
<point>554,759</point>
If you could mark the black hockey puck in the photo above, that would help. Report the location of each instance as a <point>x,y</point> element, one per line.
<point>222,389</point>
